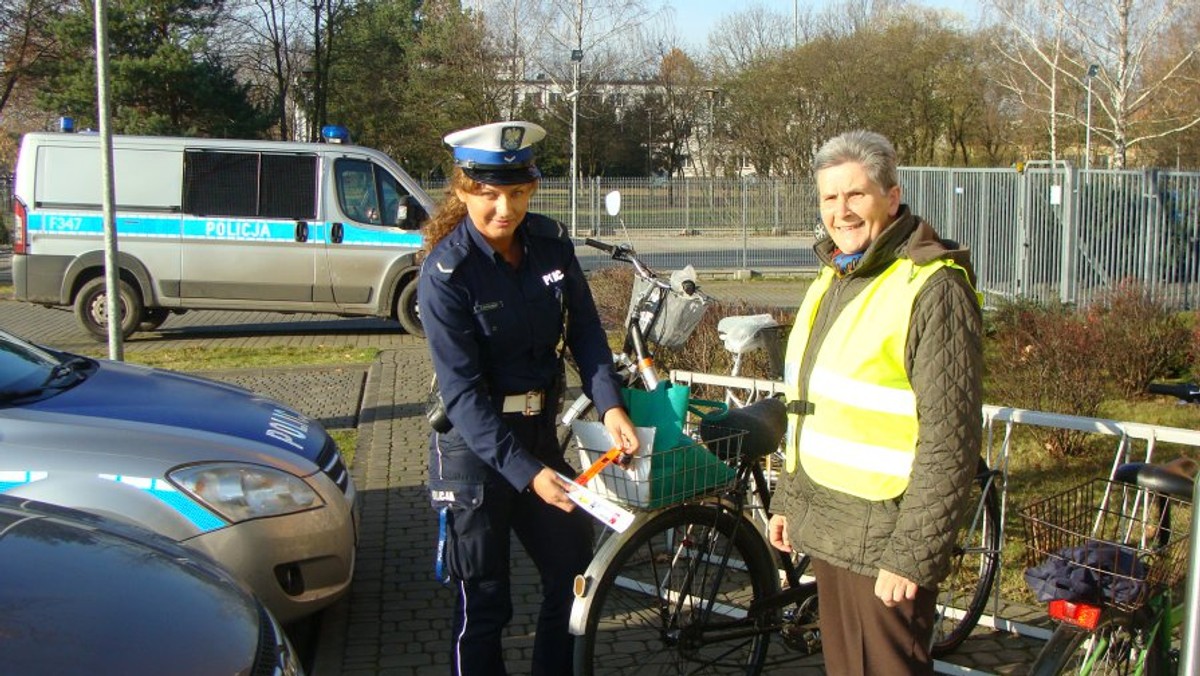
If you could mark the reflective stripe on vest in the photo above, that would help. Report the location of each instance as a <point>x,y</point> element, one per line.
<point>861,435</point>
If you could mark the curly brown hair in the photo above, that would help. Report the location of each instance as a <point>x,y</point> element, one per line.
<point>451,210</point>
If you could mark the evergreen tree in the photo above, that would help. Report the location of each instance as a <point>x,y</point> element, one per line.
<point>164,76</point>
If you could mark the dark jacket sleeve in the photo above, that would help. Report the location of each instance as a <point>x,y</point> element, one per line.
<point>945,361</point>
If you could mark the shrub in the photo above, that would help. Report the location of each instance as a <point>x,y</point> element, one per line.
<point>1043,357</point>
<point>1140,338</point>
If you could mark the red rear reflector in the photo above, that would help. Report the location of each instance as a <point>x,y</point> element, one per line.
<point>1078,614</point>
<point>20,233</point>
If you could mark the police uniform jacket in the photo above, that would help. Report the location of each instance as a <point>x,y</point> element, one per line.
<point>494,330</point>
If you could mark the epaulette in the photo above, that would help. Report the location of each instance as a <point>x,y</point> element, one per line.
<point>544,226</point>
<point>445,258</point>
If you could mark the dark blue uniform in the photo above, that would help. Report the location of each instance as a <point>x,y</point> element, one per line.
<point>494,330</point>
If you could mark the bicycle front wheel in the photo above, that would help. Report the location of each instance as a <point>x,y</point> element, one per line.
<point>1114,648</point>
<point>963,595</point>
<point>674,598</point>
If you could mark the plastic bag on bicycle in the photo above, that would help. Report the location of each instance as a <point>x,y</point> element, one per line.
<point>680,466</point>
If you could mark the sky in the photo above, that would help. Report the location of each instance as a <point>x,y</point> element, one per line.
<point>694,19</point>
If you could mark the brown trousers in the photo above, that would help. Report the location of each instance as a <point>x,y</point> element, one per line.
<point>862,637</point>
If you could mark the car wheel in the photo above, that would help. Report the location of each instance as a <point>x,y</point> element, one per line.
<point>152,318</point>
<point>91,308</point>
<point>406,309</point>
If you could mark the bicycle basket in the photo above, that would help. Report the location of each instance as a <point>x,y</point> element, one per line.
<point>687,470</point>
<point>667,317</point>
<point>1099,542</point>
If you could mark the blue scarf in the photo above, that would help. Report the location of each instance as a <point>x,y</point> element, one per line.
<point>845,263</point>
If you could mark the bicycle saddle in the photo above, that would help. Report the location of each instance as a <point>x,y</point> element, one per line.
<point>742,333</point>
<point>1171,478</point>
<point>764,422</point>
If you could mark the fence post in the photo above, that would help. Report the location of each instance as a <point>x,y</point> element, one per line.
<point>745,222</point>
<point>1066,271</point>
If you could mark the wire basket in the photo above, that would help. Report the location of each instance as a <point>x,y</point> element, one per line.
<point>667,317</point>
<point>686,471</point>
<point>1104,539</point>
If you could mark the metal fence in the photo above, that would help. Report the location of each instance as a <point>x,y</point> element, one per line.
<point>1042,234</point>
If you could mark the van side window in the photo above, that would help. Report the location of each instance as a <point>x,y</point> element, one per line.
<point>368,193</point>
<point>250,185</point>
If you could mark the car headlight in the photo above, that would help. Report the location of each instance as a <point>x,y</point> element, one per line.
<point>239,492</point>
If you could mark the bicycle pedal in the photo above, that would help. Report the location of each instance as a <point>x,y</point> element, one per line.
<point>804,638</point>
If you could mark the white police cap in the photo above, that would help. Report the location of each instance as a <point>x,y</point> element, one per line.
<point>500,153</point>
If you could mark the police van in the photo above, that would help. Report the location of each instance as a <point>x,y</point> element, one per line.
<point>217,224</point>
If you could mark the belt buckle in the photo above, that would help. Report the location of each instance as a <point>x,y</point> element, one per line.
<point>532,398</point>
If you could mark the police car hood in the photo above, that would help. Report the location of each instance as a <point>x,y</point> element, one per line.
<point>127,399</point>
<point>68,576</point>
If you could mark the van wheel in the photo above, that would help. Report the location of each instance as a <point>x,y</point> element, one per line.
<point>91,308</point>
<point>152,318</point>
<point>406,309</point>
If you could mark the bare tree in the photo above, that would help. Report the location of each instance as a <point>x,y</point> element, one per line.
<point>271,55</point>
<point>741,40</point>
<point>23,41</point>
<point>1120,37</point>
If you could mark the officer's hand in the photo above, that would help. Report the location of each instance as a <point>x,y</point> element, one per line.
<point>777,533</point>
<point>549,487</point>
<point>621,430</point>
<point>894,589</point>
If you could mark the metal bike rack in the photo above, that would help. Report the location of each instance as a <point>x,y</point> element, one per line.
<point>1188,661</point>
<point>1126,433</point>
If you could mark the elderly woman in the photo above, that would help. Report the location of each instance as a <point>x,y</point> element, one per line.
<point>884,383</point>
<point>501,293</point>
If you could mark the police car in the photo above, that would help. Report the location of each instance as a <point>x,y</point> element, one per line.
<point>83,594</point>
<point>256,485</point>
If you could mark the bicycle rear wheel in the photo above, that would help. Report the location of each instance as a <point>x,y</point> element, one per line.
<point>963,595</point>
<point>1114,648</point>
<point>674,598</point>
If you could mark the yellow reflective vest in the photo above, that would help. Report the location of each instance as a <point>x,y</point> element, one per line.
<point>859,433</point>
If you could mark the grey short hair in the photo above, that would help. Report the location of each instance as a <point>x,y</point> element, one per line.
<point>870,149</point>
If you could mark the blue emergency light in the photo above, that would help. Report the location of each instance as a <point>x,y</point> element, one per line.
<point>335,133</point>
<point>66,124</point>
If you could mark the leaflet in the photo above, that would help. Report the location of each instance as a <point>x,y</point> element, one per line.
<point>606,512</point>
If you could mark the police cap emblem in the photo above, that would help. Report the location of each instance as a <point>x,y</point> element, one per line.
<point>511,137</point>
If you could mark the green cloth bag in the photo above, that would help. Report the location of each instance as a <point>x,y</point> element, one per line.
<point>679,466</point>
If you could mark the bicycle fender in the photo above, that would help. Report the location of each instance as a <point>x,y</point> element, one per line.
<point>585,584</point>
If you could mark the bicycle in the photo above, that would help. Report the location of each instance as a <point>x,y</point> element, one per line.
<point>695,584</point>
<point>1125,536</point>
<point>663,313</point>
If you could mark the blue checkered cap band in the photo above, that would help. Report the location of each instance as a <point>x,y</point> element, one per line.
<point>500,145</point>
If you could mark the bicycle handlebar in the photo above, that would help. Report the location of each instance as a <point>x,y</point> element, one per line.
<point>1188,392</point>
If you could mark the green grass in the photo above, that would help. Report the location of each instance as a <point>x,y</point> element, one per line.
<point>347,441</point>
<point>205,358</point>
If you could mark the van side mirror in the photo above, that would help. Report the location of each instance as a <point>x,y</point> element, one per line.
<point>410,214</point>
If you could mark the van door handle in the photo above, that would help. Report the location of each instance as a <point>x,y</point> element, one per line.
<point>337,234</point>
<point>301,231</point>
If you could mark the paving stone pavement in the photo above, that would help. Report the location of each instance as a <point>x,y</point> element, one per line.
<point>395,620</point>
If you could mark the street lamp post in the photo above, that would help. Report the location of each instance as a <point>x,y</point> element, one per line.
<point>576,58</point>
<point>1087,144</point>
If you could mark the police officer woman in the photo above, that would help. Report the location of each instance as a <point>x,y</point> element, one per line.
<point>501,293</point>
